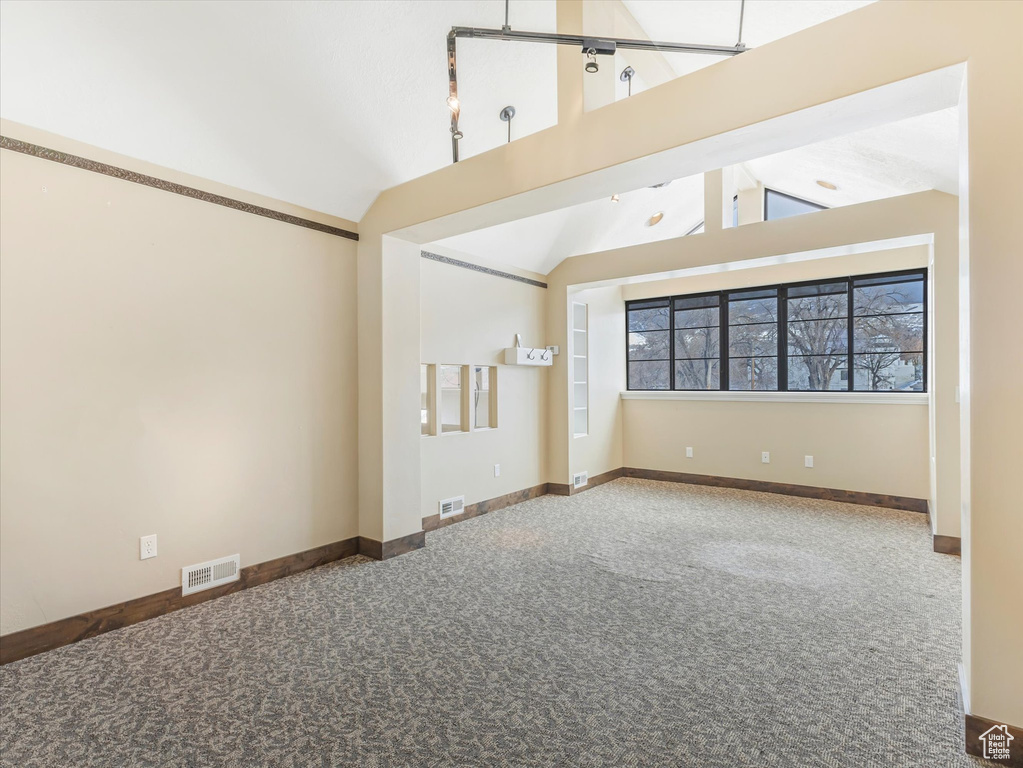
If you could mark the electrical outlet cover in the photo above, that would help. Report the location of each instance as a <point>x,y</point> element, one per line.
<point>147,547</point>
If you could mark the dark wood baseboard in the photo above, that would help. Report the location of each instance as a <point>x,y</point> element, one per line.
<point>566,489</point>
<point>385,550</point>
<point>975,727</point>
<point>764,486</point>
<point>29,642</point>
<point>433,522</point>
<point>947,545</point>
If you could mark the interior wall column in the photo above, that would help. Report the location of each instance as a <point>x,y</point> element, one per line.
<point>718,187</point>
<point>992,360</point>
<point>389,430</point>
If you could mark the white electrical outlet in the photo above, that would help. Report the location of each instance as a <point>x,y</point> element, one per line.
<point>147,547</point>
<point>497,470</point>
<point>689,453</point>
<point>808,461</point>
<point>765,457</point>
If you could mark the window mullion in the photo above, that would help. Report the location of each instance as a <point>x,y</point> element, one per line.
<point>849,348</point>
<point>723,340</point>
<point>783,339</point>
<point>671,343</point>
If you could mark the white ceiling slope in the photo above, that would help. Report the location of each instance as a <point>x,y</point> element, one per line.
<point>899,158</point>
<point>321,104</point>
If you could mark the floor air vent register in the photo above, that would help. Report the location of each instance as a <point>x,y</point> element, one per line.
<point>213,573</point>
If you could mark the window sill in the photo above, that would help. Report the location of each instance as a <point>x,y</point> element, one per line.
<point>873,398</point>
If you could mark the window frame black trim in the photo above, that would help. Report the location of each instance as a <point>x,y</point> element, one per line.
<point>768,191</point>
<point>920,273</point>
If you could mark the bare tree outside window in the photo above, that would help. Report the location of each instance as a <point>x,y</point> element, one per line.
<point>698,343</point>
<point>753,340</point>
<point>888,335</point>
<point>818,336</point>
<point>649,358</point>
<point>862,333</point>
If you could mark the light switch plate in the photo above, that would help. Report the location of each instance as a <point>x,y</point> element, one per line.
<point>689,453</point>
<point>808,462</point>
<point>497,470</point>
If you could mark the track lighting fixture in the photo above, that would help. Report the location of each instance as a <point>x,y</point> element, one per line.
<point>591,48</point>
<point>615,198</point>
<point>626,77</point>
<point>507,114</point>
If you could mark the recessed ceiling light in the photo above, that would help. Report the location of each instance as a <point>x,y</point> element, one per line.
<point>615,198</point>
<point>826,184</point>
<point>655,219</point>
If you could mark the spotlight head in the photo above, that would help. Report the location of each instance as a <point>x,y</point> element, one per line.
<point>626,74</point>
<point>592,66</point>
<point>453,104</point>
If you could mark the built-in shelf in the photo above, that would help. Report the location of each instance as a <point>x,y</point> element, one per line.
<point>580,370</point>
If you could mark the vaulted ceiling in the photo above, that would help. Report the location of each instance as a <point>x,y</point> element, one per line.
<point>326,104</point>
<point>322,104</point>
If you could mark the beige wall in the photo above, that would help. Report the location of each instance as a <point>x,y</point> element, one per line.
<point>876,448</point>
<point>856,447</point>
<point>168,366</point>
<point>469,318</point>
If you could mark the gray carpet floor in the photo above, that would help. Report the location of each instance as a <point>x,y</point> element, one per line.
<point>637,624</point>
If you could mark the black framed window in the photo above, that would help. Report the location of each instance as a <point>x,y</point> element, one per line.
<point>649,340</point>
<point>697,339</point>
<point>778,205</point>
<point>854,334</point>
<point>753,339</point>
<point>889,332</point>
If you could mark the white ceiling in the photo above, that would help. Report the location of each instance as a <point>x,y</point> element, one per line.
<point>326,104</point>
<point>322,104</point>
<point>907,156</point>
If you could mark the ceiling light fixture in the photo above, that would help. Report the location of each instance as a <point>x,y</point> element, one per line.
<point>591,48</point>
<point>626,77</point>
<point>507,114</point>
<point>615,198</point>
<point>826,184</point>
<point>655,219</point>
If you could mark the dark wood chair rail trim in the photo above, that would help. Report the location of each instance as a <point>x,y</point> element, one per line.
<point>84,163</point>
<point>46,637</point>
<point>804,491</point>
